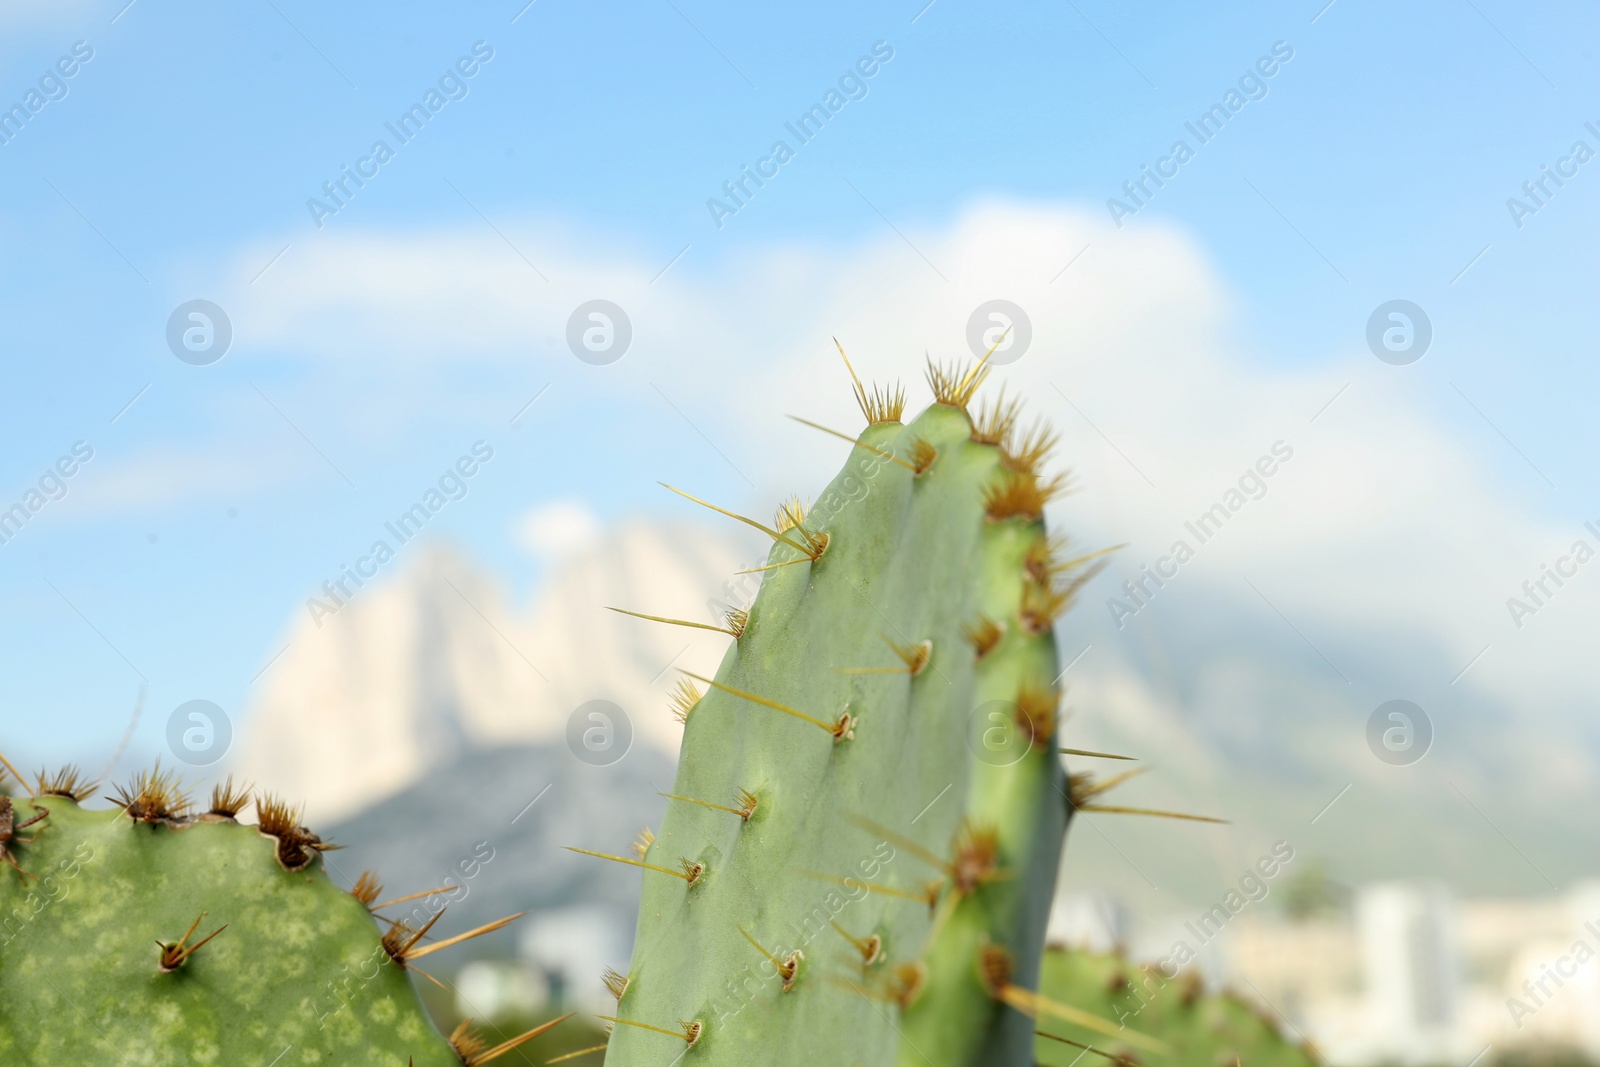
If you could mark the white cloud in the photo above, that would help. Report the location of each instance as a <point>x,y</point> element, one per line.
<point>160,477</point>
<point>559,529</point>
<point>1387,520</point>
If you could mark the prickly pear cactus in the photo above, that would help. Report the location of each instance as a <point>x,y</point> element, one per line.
<point>861,849</point>
<point>1203,1029</point>
<point>147,935</point>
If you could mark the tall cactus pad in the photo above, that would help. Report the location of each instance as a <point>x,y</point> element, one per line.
<point>1203,1029</point>
<point>869,807</point>
<point>104,957</point>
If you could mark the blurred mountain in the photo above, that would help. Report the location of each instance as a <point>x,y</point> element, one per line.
<point>487,827</point>
<point>416,670</point>
<point>1239,715</point>
<point>422,717</point>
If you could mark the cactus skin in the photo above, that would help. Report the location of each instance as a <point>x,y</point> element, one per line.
<point>1203,1029</point>
<point>79,978</point>
<point>915,557</point>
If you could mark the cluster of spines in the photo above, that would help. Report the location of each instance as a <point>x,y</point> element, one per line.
<point>899,984</point>
<point>10,824</point>
<point>1053,581</point>
<point>983,633</point>
<point>994,970</point>
<point>474,1050</point>
<point>155,797</point>
<point>684,699</point>
<point>616,984</point>
<point>367,888</point>
<point>881,404</point>
<point>996,419</point>
<point>1021,490</point>
<point>791,515</point>
<point>67,781</point>
<point>228,800</point>
<point>296,844</point>
<point>955,386</point>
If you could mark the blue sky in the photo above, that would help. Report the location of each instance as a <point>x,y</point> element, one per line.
<point>179,164</point>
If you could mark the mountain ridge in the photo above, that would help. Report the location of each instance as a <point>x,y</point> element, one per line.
<point>434,661</point>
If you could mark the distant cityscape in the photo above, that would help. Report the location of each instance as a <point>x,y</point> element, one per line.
<point>1398,972</point>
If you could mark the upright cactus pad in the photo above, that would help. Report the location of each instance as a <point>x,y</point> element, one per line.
<point>152,936</point>
<point>861,851</point>
<point>1202,1029</point>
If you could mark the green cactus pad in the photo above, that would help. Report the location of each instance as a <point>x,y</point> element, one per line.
<point>899,863</point>
<point>298,974</point>
<point>1202,1029</point>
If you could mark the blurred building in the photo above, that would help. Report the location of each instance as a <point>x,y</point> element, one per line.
<point>572,947</point>
<point>1092,920</point>
<point>493,989</point>
<point>1408,933</point>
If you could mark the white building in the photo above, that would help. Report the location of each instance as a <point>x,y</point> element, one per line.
<point>1089,920</point>
<point>492,989</point>
<point>572,947</point>
<point>1410,960</point>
